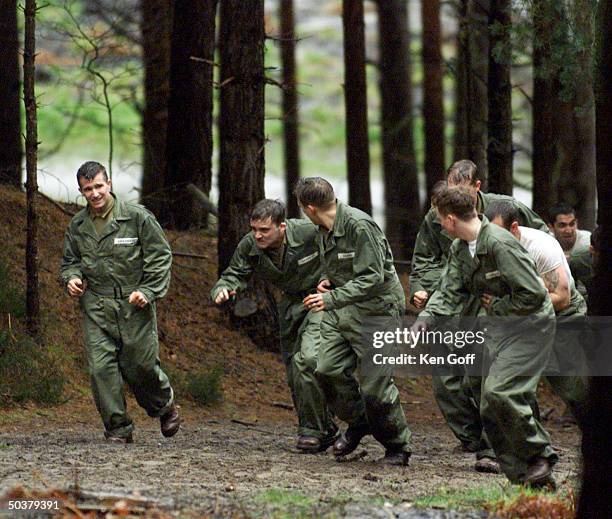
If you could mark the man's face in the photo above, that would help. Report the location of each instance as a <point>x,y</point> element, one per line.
<point>268,235</point>
<point>564,230</point>
<point>96,191</point>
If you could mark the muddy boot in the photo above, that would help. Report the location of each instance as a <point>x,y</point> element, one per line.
<point>349,441</point>
<point>539,474</point>
<point>487,465</point>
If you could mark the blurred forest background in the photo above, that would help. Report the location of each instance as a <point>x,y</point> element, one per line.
<point>379,96</point>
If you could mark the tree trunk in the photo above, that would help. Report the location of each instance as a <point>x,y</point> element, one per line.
<point>242,144</point>
<point>10,124</point>
<point>290,105</point>
<point>461,138</point>
<point>241,120</point>
<point>190,105</point>
<point>477,79</point>
<point>356,106</point>
<point>563,128</point>
<point>499,153</point>
<point>29,96</point>
<point>545,90</point>
<point>595,497</point>
<point>155,28</point>
<point>577,184</point>
<point>433,105</point>
<point>399,164</point>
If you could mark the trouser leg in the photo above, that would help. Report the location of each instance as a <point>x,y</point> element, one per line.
<point>139,359</point>
<point>508,400</point>
<point>106,380</point>
<point>459,410</point>
<point>378,390</point>
<point>314,417</point>
<point>335,372</point>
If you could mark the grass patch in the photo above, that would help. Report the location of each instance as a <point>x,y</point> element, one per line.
<point>12,300</point>
<point>281,504</point>
<point>203,386</point>
<point>28,372</point>
<point>491,497</point>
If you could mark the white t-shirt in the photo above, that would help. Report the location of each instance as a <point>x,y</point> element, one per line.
<point>545,251</point>
<point>472,247</point>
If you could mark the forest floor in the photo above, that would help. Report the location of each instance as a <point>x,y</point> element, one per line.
<point>234,458</point>
<point>230,467</point>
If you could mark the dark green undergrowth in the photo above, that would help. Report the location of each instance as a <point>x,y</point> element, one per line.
<point>29,372</point>
<point>202,386</point>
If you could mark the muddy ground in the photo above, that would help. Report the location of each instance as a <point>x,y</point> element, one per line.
<point>217,467</point>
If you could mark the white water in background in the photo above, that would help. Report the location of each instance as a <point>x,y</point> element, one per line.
<point>57,179</point>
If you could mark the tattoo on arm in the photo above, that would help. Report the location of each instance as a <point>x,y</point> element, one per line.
<point>551,280</point>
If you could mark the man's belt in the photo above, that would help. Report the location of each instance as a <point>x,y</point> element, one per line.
<point>116,292</point>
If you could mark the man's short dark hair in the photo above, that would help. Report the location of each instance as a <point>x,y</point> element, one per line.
<point>314,191</point>
<point>462,172</point>
<point>560,208</point>
<point>266,208</point>
<point>89,170</point>
<point>504,209</point>
<point>458,200</point>
<point>437,188</point>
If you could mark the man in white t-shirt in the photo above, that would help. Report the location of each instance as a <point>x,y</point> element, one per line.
<point>553,268</point>
<point>575,243</point>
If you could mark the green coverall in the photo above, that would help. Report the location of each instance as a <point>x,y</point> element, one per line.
<point>357,260</point>
<point>299,328</point>
<point>502,268</point>
<point>430,256</point>
<point>131,253</point>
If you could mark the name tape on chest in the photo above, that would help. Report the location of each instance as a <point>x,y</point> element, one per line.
<point>308,258</point>
<point>346,255</point>
<point>493,274</point>
<point>126,241</point>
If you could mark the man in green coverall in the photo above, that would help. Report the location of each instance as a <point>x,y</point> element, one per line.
<point>428,262</point>
<point>358,283</point>
<point>487,263</point>
<point>284,253</point>
<point>569,305</point>
<point>117,263</point>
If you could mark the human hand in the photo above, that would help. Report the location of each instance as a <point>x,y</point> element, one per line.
<point>324,286</point>
<point>75,287</point>
<point>224,296</point>
<point>420,298</point>
<point>138,299</point>
<point>314,302</point>
<point>486,300</point>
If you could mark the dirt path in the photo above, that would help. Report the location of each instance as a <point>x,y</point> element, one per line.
<point>220,467</point>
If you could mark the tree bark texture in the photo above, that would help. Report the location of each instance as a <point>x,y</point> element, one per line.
<point>356,106</point>
<point>478,75</point>
<point>156,26</point>
<point>433,103</point>
<point>499,152</point>
<point>461,138</point>
<point>29,96</point>
<point>241,120</point>
<point>190,106</point>
<point>595,497</point>
<point>402,207</point>
<point>290,105</point>
<point>563,129</point>
<point>10,123</point>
